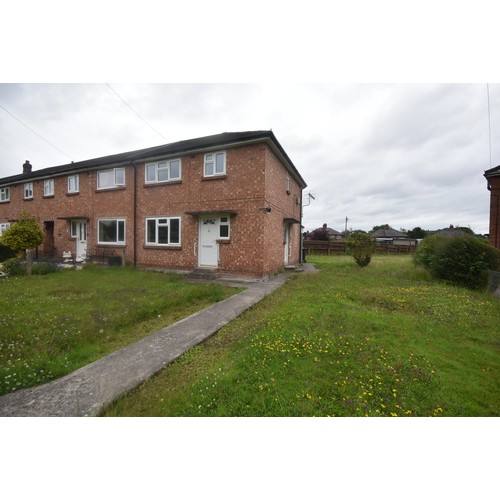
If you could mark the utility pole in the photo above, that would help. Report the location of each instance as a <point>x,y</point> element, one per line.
<point>345,233</point>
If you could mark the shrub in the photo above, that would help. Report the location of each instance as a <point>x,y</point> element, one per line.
<point>428,247</point>
<point>462,261</point>
<point>361,246</point>
<point>16,267</point>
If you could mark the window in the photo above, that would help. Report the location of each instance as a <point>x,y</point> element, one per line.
<point>3,227</point>
<point>163,231</point>
<point>107,179</point>
<point>163,171</point>
<point>73,184</point>
<point>287,184</point>
<point>215,164</point>
<point>111,231</point>
<point>48,187</point>
<point>28,190</point>
<point>4,194</point>
<point>224,228</point>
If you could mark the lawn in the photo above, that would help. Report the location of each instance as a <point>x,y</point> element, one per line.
<point>386,340</point>
<point>53,324</point>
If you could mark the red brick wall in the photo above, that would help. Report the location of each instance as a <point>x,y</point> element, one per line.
<point>494,239</point>
<point>255,179</point>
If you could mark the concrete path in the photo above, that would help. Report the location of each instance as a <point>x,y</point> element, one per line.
<point>88,390</point>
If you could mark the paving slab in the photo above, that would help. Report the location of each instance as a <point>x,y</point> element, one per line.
<point>88,390</point>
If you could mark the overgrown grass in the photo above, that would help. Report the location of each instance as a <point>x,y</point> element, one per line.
<point>51,325</point>
<point>386,340</point>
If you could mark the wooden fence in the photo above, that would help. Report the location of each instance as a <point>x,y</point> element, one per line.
<point>316,247</point>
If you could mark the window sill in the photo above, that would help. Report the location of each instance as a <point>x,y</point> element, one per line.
<point>162,247</point>
<point>214,177</point>
<point>47,196</point>
<point>108,245</point>
<point>28,199</point>
<point>74,193</point>
<point>106,190</point>
<point>4,201</point>
<point>163,183</point>
<point>223,242</point>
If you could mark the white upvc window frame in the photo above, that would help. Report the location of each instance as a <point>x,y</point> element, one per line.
<point>4,194</point>
<point>48,187</point>
<point>211,166</point>
<point>117,241</point>
<point>161,171</point>
<point>73,183</point>
<point>117,182</point>
<point>224,221</point>
<point>4,226</point>
<point>28,190</point>
<point>159,223</point>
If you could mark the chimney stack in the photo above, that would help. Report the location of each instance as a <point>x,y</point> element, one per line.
<point>27,167</point>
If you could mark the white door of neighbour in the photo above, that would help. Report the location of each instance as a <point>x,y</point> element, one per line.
<point>81,240</point>
<point>286,241</point>
<point>208,251</point>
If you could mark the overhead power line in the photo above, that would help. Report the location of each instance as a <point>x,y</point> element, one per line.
<point>132,109</point>
<point>36,133</point>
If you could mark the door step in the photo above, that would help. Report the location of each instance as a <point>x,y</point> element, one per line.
<point>203,274</point>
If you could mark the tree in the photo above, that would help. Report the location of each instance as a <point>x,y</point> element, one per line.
<point>22,236</point>
<point>361,246</point>
<point>417,233</point>
<point>383,226</point>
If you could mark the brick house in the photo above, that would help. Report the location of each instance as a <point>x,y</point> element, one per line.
<point>493,178</point>
<point>229,202</point>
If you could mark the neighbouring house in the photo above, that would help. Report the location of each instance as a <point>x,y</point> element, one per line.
<point>391,236</point>
<point>229,202</point>
<point>493,178</point>
<point>324,233</point>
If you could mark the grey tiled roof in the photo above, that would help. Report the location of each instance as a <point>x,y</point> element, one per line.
<point>180,147</point>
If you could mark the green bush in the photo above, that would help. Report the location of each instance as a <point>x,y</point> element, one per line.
<point>361,246</point>
<point>16,267</point>
<point>428,247</point>
<point>462,261</point>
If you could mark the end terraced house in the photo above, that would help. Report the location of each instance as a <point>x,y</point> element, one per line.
<point>229,202</point>
<point>493,178</point>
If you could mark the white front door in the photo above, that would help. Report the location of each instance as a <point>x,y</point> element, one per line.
<point>208,252</point>
<point>286,241</point>
<point>81,240</point>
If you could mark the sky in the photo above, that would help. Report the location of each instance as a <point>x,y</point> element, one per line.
<point>401,154</point>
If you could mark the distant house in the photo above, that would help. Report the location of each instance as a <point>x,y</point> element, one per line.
<point>493,178</point>
<point>229,203</point>
<point>392,237</point>
<point>324,233</point>
<point>451,232</point>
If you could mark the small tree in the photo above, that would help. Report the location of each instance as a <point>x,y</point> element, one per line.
<point>22,236</point>
<point>361,246</point>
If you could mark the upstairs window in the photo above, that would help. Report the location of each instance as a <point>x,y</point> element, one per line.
<point>163,231</point>
<point>215,164</point>
<point>73,184</point>
<point>4,194</point>
<point>28,190</point>
<point>163,171</point>
<point>48,187</point>
<point>109,179</point>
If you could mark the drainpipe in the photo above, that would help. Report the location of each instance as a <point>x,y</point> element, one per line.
<point>135,213</point>
<point>301,257</point>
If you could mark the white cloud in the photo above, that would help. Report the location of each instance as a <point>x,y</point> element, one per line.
<point>406,155</point>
